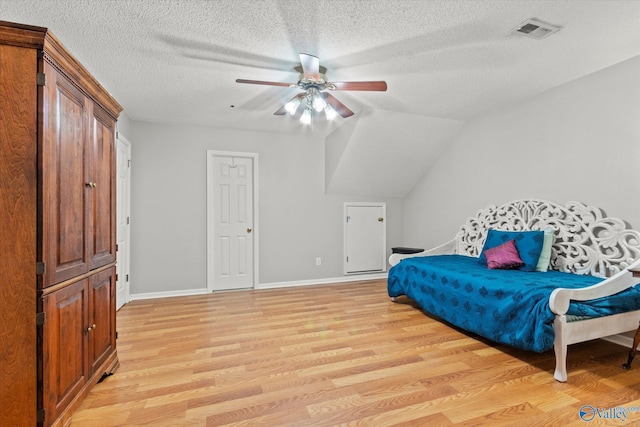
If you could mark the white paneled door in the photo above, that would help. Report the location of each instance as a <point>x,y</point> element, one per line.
<point>230,219</point>
<point>123,219</point>
<point>365,238</point>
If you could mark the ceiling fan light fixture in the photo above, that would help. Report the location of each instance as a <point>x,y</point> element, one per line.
<point>292,106</point>
<point>318,103</point>
<point>330,112</point>
<point>305,119</point>
<point>315,99</point>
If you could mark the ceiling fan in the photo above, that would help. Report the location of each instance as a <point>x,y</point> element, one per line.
<point>314,84</point>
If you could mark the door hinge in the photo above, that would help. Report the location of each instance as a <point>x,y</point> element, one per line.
<point>128,163</point>
<point>41,268</point>
<point>116,334</point>
<point>116,277</point>
<point>126,278</point>
<point>40,415</point>
<point>348,218</point>
<point>128,220</point>
<point>347,259</point>
<point>41,318</point>
<point>41,79</point>
<point>116,247</point>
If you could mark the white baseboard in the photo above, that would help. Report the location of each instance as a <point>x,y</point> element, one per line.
<point>168,294</point>
<point>331,280</point>
<point>273,285</point>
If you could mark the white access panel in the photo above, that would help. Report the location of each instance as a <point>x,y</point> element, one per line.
<point>365,238</point>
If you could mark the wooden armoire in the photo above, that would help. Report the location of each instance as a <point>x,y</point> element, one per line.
<point>58,241</point>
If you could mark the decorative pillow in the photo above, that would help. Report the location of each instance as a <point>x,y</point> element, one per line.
<point>504,256</point>
<point>545,254</point>
<point>529,244</point>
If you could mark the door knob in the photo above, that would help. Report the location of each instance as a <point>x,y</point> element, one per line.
<point>249,230</point>
<point>380,219</point>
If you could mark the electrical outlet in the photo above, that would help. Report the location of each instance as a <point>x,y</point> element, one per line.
<point>318,261</point>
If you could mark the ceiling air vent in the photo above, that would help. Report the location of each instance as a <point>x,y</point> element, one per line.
<point>535,29</point>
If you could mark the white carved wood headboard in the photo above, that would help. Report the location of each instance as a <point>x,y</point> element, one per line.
<point>586,241</point>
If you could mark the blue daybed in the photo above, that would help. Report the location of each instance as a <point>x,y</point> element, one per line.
<point>570,282</point>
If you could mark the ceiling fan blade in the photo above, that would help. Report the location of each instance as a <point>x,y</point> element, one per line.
<point>338,106</point>
<point>281,111</point>
<point>377,86</point>
<point>310,66</point>
<point>262,82</point>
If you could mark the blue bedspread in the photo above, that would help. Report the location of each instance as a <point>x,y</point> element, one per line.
<point>505,306</point>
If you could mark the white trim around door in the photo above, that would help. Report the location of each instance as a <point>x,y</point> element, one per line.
<point>123,220</point>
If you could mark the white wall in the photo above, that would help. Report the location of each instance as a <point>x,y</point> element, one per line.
<point>385,152</point>
<point>124,124</point>
<point>298,222</point>
<point>580,141</point>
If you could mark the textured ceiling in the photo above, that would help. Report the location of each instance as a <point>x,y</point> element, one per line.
<point>176,61</point>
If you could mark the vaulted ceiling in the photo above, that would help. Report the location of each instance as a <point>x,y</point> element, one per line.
<point>176,61</point>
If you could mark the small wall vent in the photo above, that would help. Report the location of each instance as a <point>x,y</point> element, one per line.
<point>535,29</point>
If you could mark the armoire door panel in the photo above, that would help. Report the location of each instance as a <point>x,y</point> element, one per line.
<point>64,180</point>
<point>65,357</point>
<point>103,177</point>
<point>70,180</point>
<point>102,341</point>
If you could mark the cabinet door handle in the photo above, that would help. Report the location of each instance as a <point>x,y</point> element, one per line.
<point>90,184</point>
<point>90,328</point>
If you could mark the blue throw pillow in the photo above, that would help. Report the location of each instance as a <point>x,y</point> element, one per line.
<point>529,244</point>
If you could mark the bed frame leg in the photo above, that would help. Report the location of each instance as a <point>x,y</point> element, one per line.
<point>561,362</point>
<point>560,349</point>
<point>632,352</point>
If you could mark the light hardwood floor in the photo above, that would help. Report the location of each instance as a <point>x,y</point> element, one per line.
<point>338,355</point>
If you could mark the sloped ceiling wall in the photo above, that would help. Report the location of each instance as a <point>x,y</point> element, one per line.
<point>384,153</point>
